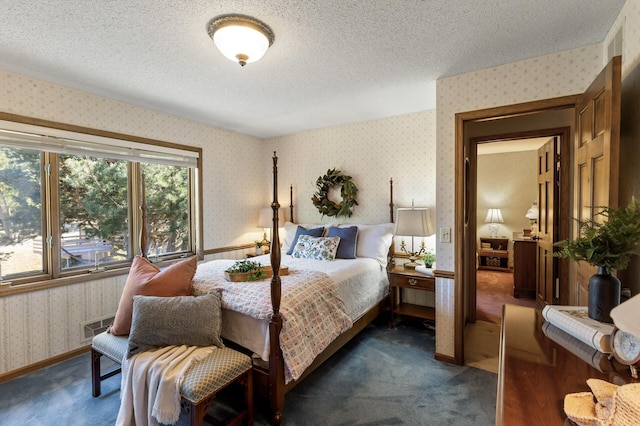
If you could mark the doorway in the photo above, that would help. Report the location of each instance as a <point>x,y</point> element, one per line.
<point>535,119</point>
<point>506,184</point>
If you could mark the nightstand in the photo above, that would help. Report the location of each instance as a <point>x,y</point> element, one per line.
<point>399,279</point>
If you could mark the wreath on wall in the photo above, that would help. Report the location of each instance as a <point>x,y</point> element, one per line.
<point>348,191</point>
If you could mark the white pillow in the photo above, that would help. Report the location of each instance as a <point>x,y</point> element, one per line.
<point>374,241</point>
<point>290,232</point>
<point>316,248</point>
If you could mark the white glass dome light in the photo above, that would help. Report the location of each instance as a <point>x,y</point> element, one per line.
<point>240,38</point>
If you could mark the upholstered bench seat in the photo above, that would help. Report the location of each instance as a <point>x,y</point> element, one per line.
<point>201,383</point>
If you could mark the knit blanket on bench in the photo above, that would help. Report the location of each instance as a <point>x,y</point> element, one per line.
<point>151,380</point>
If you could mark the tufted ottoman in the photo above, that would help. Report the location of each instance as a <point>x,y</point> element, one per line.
<point>201,384</point>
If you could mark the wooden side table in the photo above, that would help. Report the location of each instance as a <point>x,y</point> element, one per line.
<point>399,279</point>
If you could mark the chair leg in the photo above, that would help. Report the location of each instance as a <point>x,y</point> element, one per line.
<point>198,412</point>
<point>248,397</point>
<point>95,373</point>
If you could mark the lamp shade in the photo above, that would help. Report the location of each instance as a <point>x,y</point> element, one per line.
<point>494,216</point>
<point>265,219</point>
<point>413,222</point>
<point>532,213</point>
<point>240,38</point>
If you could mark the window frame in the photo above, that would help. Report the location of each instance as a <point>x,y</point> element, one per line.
<point>53,275</point>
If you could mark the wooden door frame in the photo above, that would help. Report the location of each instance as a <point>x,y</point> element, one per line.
<point>466,194</point>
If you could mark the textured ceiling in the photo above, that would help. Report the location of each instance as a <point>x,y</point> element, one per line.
<point>333,61</point>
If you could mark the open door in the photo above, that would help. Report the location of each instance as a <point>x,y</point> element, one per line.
<point>548,191</point>
<point>596,159</point>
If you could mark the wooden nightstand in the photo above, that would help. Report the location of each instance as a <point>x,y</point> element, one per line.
<point>399,278</point>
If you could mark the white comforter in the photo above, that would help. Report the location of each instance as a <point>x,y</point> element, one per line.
<point>361,283</point>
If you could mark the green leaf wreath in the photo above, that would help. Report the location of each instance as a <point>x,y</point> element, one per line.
<point>348,191</point>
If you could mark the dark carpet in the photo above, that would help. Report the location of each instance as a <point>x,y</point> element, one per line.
<point>382,377</point>
<point>494,289</point>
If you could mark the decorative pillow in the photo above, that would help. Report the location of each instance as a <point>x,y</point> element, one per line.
<point>314,232</point>
<point>348,237</point>
<point>318,248</point>
<point>374,241</point>
<point>147,279</point>
<point>290,229</point>
<point>181,320</point>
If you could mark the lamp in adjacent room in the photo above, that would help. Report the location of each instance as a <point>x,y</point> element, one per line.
<point>413,222</point>
<point>494,218</point>
<point>240,38</point>
<point>532,215</point>
<point>265,221</point>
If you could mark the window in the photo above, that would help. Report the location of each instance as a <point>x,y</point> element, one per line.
<point>20,212</point>
<point>167,200</point>
<point>94,211</point>
<point>70,202</point>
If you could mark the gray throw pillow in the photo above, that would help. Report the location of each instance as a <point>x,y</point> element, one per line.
<point>180,320</point>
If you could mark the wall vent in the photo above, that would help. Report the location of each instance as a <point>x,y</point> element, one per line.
<point>94,327</point>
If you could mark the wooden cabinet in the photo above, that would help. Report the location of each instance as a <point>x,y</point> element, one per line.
<point>493,254</point>
<point>399,279</point>
<point>524,268</point>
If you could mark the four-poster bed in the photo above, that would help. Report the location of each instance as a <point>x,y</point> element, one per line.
<point>277,321</point>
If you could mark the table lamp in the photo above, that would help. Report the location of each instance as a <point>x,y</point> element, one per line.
<point>413,222</point>
<point>494,217</point>
<point>265,221</point>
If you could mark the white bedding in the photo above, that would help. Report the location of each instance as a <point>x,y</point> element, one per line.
<point>361,284</point>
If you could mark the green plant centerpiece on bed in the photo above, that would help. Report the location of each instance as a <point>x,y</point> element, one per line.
<point>607,245</point>
<point>254,270</point>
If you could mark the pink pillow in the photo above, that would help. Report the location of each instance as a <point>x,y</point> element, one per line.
<point>147,279</point>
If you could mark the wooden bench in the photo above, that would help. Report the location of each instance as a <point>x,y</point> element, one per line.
<point>201,384</point>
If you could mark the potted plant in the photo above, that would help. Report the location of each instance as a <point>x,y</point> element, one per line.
<point>245,270</point>
<point>258,247</point>
<point>429,258</point>
<point>607,245</point>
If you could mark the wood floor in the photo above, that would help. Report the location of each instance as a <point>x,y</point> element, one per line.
<point>482,338</point>
<point>494,289</point>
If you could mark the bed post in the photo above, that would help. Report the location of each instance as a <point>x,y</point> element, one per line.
<point>276,362</point>
<point>291,204</point>
<point>391,200</point>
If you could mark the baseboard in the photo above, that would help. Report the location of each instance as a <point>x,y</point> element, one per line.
<point>4,377</point>
<point>444,358</point>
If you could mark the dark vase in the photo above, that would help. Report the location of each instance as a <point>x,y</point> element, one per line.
<point>604,295</point>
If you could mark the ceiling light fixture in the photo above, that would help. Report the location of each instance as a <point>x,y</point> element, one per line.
<point>240,38</point>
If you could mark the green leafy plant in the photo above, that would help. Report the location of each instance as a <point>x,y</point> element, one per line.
<point>258,244</point>
<point>608,244</point>
<point>429,258</point>
<point>255,269</point>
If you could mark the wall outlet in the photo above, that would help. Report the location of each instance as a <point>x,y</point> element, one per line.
<point>445,235</point>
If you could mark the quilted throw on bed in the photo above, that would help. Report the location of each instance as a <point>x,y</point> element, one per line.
<point>313,314</point>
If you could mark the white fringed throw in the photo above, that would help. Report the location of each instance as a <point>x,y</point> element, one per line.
<point>151,380</point>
